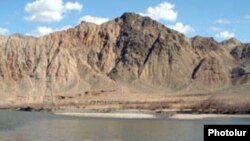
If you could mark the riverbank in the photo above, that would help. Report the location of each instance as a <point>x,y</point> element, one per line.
<point>180,114</point>
<point>205,116</point>
<point>156,104</point>
<point>111,115</point>
<point>148,115</point>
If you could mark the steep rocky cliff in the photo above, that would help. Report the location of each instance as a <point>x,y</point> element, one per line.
<point>131,52</point>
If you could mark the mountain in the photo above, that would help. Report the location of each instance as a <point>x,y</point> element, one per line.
<point>131,53</point>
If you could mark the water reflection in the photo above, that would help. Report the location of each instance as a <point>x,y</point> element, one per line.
<point>18,126</point>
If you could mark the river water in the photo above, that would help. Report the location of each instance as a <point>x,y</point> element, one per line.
<point>42,126</point>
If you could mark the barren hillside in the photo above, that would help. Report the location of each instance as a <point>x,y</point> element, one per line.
<point>128,54</point>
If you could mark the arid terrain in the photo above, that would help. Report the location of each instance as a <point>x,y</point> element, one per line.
<point>131,62</point>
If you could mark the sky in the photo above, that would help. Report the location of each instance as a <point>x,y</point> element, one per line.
<point>221,19</point>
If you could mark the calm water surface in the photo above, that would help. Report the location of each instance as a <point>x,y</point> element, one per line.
<point>41,126</point>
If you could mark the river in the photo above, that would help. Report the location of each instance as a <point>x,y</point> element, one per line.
<point>43,126</point>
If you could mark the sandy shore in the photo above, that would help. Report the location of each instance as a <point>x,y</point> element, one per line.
<point>111,115</point>
<point>124,115</point>
<point>206,116</point>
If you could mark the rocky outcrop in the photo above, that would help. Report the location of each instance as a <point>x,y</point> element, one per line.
<point>132,52</point>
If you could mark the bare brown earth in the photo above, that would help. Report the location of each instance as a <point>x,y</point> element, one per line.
<point>131,62</point>
<point>102,101</point>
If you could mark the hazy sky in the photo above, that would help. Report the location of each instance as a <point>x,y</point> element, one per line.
<point>221,19</point>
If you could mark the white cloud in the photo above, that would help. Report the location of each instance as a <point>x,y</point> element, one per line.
<point>182,28</point>
<point>223,21</point>
<point>225,35</point>
<point>163,11</point>
<point>220,33</point>
<point>4,31</point>
<point>91,19</point>
<point>42,30</point>
<point>166,11</point>
<point>49,10</point>
<point>73,6</point>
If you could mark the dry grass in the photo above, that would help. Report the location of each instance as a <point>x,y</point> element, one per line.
<point>102,100</point>
<point>220,107</point>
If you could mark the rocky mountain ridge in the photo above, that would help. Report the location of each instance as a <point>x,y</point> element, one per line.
<point>129,53</point>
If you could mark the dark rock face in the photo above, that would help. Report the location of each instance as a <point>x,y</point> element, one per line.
<point>130,51</point>
<point>246,52</point>
<point>239,76</point>
<point>238,72</point>
<point>139,40</point>
<point>241,52</point>
<point>236,53</point>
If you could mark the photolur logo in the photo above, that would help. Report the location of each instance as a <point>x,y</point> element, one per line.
<point>215,132</point>
<point>223,132</point>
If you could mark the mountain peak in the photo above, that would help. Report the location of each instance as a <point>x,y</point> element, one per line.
<point>134,18</point>
<point>131,15</point>
<point>204,42</point>
<point>231,41</point>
